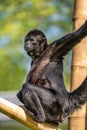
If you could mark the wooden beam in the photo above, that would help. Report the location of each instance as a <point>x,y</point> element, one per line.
<point>20,114</point>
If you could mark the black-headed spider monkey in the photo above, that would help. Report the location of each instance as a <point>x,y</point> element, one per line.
<point>44,93</point>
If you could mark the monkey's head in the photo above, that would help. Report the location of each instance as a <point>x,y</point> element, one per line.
<point>35,43</point>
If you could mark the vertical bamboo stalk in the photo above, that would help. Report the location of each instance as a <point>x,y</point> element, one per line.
<point>79,65</point>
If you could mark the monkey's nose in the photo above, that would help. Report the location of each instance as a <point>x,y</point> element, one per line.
<point>28,46</point>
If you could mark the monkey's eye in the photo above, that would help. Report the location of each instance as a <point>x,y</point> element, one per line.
<point>39,41</point>
<point>34,43</point>
<point>31,39</point>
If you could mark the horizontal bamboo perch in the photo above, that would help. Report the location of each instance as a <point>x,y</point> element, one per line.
<point>20,114</point>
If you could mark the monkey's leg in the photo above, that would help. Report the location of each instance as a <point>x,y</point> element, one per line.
<point>32,103</point>
<point>19,95</point>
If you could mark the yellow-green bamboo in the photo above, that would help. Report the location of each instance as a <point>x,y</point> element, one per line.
<point>79,65</point>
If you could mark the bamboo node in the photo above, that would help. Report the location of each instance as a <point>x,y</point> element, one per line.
<point>81,18</point>
<point>79,66</point>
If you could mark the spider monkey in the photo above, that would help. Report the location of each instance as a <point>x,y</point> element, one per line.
<point>47,99</point>
<point>35,44</point>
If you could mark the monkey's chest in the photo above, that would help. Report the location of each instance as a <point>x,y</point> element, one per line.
<point>47,75</point>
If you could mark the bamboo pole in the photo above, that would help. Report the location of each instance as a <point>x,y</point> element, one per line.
<point>79,65</point>
<point>20,114</point>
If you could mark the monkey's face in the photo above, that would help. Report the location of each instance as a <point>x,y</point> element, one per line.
<point>35,43</point>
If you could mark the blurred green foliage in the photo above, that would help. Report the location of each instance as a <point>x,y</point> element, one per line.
<point>17,17</point>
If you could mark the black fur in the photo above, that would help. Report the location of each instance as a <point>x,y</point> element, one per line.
<point>52,103</point>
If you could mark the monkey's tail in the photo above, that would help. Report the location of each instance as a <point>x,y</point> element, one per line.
<point>78,97</point>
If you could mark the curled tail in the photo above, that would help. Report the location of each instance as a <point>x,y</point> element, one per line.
<point>78,97</point>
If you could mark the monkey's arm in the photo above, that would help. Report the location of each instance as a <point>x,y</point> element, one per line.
<point>66,43</point>
<point>57,48</point>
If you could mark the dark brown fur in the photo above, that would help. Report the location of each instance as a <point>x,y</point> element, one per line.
<point>47,99</point>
